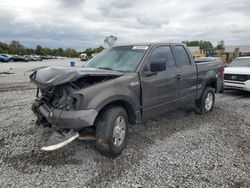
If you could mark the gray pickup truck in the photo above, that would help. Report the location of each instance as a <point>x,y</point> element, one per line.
<point>122,85</point>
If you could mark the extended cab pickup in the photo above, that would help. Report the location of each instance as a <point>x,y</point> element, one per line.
<point>122,85</point>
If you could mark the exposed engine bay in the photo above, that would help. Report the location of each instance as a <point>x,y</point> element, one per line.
<point>63,97</point>
<point>59,98</point>
<point>59,104</point>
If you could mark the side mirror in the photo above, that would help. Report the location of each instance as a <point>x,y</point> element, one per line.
<point>158,65</point>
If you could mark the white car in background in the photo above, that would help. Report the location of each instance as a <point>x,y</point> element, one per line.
<point>237,75</point>
<point>83,57</point>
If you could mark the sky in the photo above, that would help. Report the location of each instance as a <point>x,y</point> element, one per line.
<point>81,24</point>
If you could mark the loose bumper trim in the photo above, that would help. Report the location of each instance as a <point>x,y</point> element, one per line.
<point>68,119</point>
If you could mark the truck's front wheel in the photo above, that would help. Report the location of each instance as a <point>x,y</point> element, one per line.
<point>112,131</point>
<point>206,103</point>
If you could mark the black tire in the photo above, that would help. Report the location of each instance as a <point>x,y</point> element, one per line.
<point>200,104</point>
<point>105,125</point>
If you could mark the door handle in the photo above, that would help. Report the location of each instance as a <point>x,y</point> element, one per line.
<point>178,77</point>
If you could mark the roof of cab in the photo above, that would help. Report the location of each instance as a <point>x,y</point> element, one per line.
<point>151,44</point>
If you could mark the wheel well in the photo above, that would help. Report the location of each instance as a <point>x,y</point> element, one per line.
<point>129,109</point>
<point>212,83</point>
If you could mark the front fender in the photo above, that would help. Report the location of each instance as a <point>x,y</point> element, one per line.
<point>111,95</point>
<point>98,96</point>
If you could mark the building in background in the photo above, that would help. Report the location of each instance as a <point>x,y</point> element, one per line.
<point>233,51</point>
<point>226,55</point>
<point>196,51</point>
<point>238,50</point>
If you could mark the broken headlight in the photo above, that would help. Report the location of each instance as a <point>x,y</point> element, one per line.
<point>75,102</point>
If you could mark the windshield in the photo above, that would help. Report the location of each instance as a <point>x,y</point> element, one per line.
<point>241,63</point>
<point>120,58</point>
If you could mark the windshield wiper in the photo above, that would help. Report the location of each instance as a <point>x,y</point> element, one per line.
<point>106,68</point>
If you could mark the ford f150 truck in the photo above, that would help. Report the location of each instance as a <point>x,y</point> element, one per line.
<point>121,85</point>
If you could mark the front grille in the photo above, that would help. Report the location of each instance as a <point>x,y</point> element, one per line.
<point>236,77</point>
<point>226,81</point>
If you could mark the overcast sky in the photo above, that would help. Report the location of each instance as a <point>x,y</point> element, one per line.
<point>85,23</point>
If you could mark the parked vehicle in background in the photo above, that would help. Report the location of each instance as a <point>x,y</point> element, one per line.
<point>17,58</point>
<point>83,57</point>
<point>60,57</point>
<point>122,85</point>
<point>28,58</point>
<point>92,55</point>
<point>4,58</point>
<point>43,57</point>
<point>6,55</point>
<point>36,58</point>
<point>237,75</point>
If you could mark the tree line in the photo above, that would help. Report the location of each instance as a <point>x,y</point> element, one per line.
<point>205,45</point>
<point>15,47</point>
<point>90,51</point>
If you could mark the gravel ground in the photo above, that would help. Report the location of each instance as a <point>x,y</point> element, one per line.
<point>175,149</point>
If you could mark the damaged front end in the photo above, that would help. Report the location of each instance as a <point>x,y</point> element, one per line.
<point>60,103</point>
<point>61,107</point>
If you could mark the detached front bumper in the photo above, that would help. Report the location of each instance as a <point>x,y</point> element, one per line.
<point>64,119</point>
<point>229,84</point>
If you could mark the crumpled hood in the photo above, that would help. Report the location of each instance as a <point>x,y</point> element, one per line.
<point>52,76</point>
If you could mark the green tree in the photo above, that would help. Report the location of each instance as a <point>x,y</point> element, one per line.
<point>4,48</point>
<point>38,50</point>
<point>30,51</point>
<point>16,48</point>
<point>55,52</point>
<point>206,45</point>
<point>90,51</point>
<point>191,43</point>
<point>71,53</point>
<point>221,45</point>
<point>60,51</point>
<point>99,49</point>
<point>46,51</point>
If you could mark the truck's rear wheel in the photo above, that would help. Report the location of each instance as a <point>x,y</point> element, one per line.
<point>112,131</point>
<point>206,103</point>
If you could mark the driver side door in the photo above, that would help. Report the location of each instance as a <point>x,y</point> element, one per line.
<point>159,90</point>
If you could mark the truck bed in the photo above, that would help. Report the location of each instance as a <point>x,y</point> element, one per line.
<point>216,68</point>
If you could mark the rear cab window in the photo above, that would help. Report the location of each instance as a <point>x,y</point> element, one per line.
<point>182,56</point>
